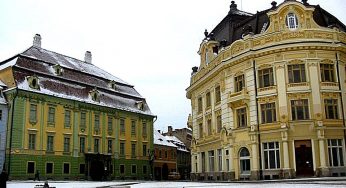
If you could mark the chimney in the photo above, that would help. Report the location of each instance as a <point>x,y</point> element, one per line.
<point>170,130</point>
<point>37,41</point>
<point>159,131</point>
<point>87,57</point>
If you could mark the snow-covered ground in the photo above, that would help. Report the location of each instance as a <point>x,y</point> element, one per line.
<point>315,183</point>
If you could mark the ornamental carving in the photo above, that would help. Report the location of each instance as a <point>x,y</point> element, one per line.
<point>266,99</point>
<point>295,61</point>
<point>298,95</point>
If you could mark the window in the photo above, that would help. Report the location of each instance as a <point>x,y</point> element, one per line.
<point>67,119</point>
<point>268,113</point>
<point>219,153</point>
<point>49,168</point>
<point>227,164</point>
<point>239,83</point>
<point>0,114</point>
<point>67,144</point>
<point>211,161</point>
<point>331,108</point>
<point>209,127</point>
<point>271,155</point>
<point>145,171</point>
<point>327,72</point>
<point>265,77</point>
<point>82,144</point>
<point>296,73</point>
<point>66,167</point>
<point>82,120</point>
<point>81,168</point>
<point>50,143</point>
<point>122,169</point>
<point>31,167</point>
<point>244,159</point>
<point>133,169</point>
<point>33,113</point>
<point>203,162</point>
<point>97,122</point>
<point>144,128</point>
<point>200,130</point>
<point>241,117</point>
<point>208,97</point>
<point>291,21</point>
<point>96,145</point>
<point>122,148</point>
<point>217,94</point>
<point>335,152</point>
<point>110,123</point>
<point>144,150</point>
<point>51,115</point>
<point>199,103</point>
<point>166,154</point>
<point>300,109</point>
<point>218,123</point>
<point>133,128</point>
<point>110,146</point>
<point>32,141</point>
<point>122,126</point>
<point>133,150</point>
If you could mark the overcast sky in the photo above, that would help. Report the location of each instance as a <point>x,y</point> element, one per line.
<point>151,44</point>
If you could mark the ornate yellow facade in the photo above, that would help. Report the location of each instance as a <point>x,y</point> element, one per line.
<point>280,112</point>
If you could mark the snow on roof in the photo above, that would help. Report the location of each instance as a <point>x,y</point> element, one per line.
<point>8,63</point>
<point>159,139</point>
<point>173,139</point>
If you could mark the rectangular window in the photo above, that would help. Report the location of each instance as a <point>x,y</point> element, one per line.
<point>239,83</point>
<point>217,94</point>
<point>0,114</point>
<point>327,72</point>
<point>96,145</point>
<point>82,120</point>
<point>268,113</point>
<point>144,128</point>
<point>331,108</point>
<point>67,119</point>
<point>271,155</point>
<point>133,128</point>
<point>82,144</point>
<point>144,150</point>
<point>203,162</point>
<point>199,103</point>
<point>33,112</point>
<point>81,168</point>
<point>110,146</point>
<point>32,141</point>
<point>300,109</point>
<point>133,150</point>
<point>296,73</point>
<point>51,115</point>
<point>110,123</point>
<point>241,117</point>
<point>122,169</point>
<point>200,130</point>
<point>67,144</point>
<point>50,143</point>
<point>335,152</point>
<point>211,161</point>
<point>219,123</point>
<point>166,154</point>
<point>31,168</point>
<point>145,169</point>
<point>122,149</point>
<point>208,97</point>
<point>66,167</point>
<point>133,169</point>
<point>97,122</point>
<point>49,168</point>
<point>265,77</point>
<point>122,126</point>
<point>219,153</point>
<point>209,127</point>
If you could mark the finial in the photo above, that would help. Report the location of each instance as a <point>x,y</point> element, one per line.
<point>206,33</point>
<point>274,3</point>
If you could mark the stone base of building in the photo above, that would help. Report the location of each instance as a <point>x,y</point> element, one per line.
<point>277,174</point>
<point>322,172</point>
<point>255,175</point>
<point>212,176</point>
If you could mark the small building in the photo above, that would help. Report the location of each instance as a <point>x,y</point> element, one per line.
<point>165,154</point>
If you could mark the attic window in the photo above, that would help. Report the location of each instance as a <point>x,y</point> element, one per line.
<point>95,95</point>
<point>58,69</point>
<point>140,105</point>
<point>292,21</point>
<point>160,139</point>
<point>112,84</point>
<point>33,82</point>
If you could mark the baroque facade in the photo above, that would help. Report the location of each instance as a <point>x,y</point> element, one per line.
<point>268,98</point>
<point>69,119</point>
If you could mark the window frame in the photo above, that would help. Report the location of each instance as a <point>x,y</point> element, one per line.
<point>268,153</point>
<point>262,74</point>
<point>327,72</point>
<point>339,153</point>
<point>217,94</point>
<point>296,108</point>
<point>266,109</point>
<point>296,68</point>
<point>292,22</point>
<point>239,83</point>
<point>334,105</point>
<point>67,119</point>
<point>241,114</point>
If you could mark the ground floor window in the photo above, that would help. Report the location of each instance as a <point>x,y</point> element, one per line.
<point>271,155</point>
<point>211,161</point>
<point>335,152</point>
<point>49,168</point>
<point>244,157</point>
<point>81,168</point>
<point>122,169</point>
<point>31,167</point>
<point>134,169</point>
<point>144,169</point>
<point>66,168</point>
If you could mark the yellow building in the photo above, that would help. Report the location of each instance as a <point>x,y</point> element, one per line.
<point>268,97</point>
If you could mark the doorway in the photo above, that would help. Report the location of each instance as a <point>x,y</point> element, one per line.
<point>304,161</point>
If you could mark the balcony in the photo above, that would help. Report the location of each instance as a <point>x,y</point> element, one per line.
<point>239,98</point>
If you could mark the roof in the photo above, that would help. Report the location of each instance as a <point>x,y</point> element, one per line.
<point>159,139</point>
<point>77,81</point>
<point>173,139</point>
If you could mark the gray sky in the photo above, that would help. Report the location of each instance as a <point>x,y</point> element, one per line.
<point>151,44</point>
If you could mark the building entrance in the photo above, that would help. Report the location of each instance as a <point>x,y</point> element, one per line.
<point>304,161</point>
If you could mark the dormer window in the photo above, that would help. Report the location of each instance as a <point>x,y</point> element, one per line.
<point>58,70</point>
<point>292,21</point>
<point>112,85</point>
<point>140,105</point>
<point>95,95</point>
<point>33,82</point>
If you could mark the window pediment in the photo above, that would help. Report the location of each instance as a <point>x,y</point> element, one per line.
<point>33,82</point>
<point>95,95</point>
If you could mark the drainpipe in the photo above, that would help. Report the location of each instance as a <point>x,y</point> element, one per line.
<point>259,135</point>
<point>342,104</point>
<point>11,131</point>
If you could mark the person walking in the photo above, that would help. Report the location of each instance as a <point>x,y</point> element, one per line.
<point>37,175</point>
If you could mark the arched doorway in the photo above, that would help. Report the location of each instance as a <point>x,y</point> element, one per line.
<point>244,161</point>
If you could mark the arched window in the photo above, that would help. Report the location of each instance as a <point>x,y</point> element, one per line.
<point>244,159</point>
<point>292,21</point>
